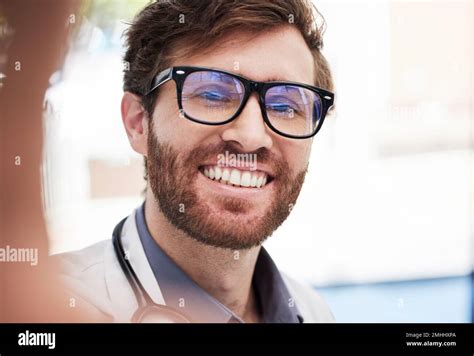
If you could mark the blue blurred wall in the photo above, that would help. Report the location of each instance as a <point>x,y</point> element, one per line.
<point>446,300</point>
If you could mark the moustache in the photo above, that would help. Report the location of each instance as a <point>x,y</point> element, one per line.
<point>228,149</point>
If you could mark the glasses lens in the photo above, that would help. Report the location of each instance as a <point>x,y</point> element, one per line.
<point>293,110</point>
<point>211,96</point>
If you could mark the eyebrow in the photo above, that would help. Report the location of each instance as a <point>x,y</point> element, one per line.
<point>277,79</point>
<point>271,78</point>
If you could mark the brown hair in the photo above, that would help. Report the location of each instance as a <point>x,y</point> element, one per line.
<point>164,26</point>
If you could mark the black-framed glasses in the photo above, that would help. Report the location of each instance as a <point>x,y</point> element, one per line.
<point>215,97</point>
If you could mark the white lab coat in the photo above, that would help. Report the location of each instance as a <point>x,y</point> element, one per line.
<point>98,286</point>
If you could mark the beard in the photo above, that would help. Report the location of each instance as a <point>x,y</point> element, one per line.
<point>172,178</point>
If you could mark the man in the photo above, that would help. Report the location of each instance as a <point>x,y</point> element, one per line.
<point>222,99</point>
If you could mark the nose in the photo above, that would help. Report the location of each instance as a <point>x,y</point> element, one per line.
<point>248,130</point>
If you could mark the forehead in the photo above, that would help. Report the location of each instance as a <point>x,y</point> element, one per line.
<point>277,54</point>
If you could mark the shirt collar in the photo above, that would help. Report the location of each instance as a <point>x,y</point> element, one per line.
<point>182,293</point>
<point>276,303</point>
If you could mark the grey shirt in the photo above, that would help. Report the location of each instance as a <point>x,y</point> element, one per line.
<point>182,293</point>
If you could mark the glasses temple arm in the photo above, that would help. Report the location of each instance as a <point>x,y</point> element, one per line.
<point>160,79</point>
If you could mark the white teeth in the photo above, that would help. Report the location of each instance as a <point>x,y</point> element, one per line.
<point>245,179</point>
<point>225,175</point>
<point>236,177</point>
<point>218,173</point>
<point>253,181</point>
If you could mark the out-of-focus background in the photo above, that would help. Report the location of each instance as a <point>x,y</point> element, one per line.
<point>383,226</point>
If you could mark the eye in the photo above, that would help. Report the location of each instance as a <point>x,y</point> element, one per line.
<point>213,96</point>
<point>282,104</point>
<point>280,107</point>
<point>283,110</point>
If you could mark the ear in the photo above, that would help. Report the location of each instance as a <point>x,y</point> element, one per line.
<point>134,118</point>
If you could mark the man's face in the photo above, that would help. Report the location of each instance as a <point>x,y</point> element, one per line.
<point>180,153</point>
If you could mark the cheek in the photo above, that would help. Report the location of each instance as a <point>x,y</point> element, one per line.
<point>297,154</point>
<point>165,117</point>
<point>181,133</point>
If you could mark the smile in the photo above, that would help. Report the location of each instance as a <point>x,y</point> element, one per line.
<point>236,177</point>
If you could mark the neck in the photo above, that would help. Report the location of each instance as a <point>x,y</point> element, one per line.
<point>224,274</point>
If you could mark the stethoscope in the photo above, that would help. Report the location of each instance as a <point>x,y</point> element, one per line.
<point>148,311</point>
